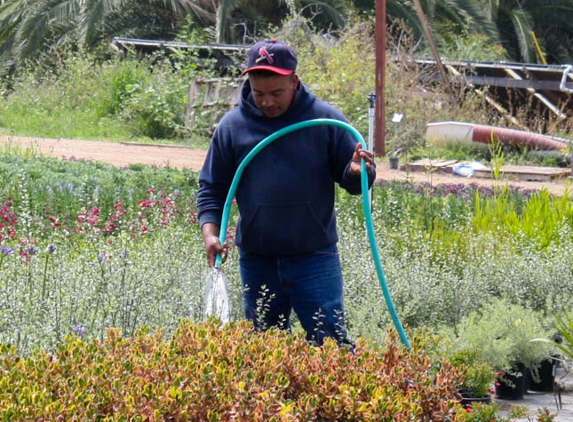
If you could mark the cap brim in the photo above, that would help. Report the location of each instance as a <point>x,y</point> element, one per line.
<point>277,70</point>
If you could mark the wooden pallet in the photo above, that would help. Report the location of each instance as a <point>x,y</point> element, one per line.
<point>526,173</point>
<point>430,165</point>
<point>209,99</point>
<point>508,172</point>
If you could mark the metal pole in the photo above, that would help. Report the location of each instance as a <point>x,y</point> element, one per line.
<point>371,115</point>
<point>371,110</point>
<point>571,157</point>
<point>379,147</point>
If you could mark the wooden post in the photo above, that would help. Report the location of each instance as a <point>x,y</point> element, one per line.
<point>380,38</point>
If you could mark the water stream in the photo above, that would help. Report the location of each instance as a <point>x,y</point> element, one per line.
<point>217,302</point>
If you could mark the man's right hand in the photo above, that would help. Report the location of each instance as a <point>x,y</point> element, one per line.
<point>212,242</point>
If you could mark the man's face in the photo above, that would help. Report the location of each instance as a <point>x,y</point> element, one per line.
<point>273,95</point>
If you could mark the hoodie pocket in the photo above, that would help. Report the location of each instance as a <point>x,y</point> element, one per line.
<point>287,229</point>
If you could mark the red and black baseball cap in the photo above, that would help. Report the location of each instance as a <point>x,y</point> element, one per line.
<point>272,55</point>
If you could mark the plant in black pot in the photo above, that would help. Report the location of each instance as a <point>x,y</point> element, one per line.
<point>502,333</point>
<point>545,377</point>
<point>478,379</point>
<point>477,375</point>
<point>562,342</point>
<point>394,155</point>
<point>394,160</point>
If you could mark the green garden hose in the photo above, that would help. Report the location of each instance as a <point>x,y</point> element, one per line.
<point>365,202</point>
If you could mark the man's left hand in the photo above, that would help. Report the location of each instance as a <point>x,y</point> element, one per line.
<point>355,164</point>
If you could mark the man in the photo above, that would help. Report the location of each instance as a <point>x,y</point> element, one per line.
<point>286,233</point>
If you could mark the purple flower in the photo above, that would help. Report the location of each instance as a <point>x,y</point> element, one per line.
<point>80,330</point>
<point>51,248</point>
<point>32,250</point>
<point>6,251</point>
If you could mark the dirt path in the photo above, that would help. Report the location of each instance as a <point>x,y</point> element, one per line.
<point>124,154</point>
<point>117,154</point>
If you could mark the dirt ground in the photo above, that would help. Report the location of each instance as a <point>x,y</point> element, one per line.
<point>124,154</point>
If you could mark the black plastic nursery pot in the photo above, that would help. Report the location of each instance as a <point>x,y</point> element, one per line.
<point>546,377</point>
<point>512,387</point>
<point>468,399</point>
<point>394,163</point>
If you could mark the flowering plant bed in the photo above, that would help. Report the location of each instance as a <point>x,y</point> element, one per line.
<point>85,246</point>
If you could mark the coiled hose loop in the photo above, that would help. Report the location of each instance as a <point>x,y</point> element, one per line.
<point>365,202</point>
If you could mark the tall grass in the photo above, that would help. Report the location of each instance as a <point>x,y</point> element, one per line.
<point>58,102</point>
<point>79,97</point>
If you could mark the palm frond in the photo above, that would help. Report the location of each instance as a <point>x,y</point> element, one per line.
<point>523,29</point>
<point>331,12</point>
<point>224,11</point>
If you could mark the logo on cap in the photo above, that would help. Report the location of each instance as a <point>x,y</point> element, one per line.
<point>265,55</point>
<point>272,56</point>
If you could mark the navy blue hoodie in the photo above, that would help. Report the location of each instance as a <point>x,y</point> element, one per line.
<point>286,193</point>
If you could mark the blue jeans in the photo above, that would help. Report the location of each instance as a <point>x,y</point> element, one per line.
<point>310,285</point>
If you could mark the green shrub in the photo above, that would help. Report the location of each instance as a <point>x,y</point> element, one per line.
<point>155,107</point>
<point>119,78</point>
<point>482,412</point>
<point>539,219</point>
<point>502,334</point>
<point>478,375</point>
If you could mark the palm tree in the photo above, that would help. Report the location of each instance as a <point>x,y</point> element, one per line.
<point>31,28</point>
<point>250,17</point>
<point>450,20</point>
<point>522,25</point>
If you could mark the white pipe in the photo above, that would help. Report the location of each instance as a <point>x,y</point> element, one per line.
<point>563,86</point>
<point>371,115</point>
